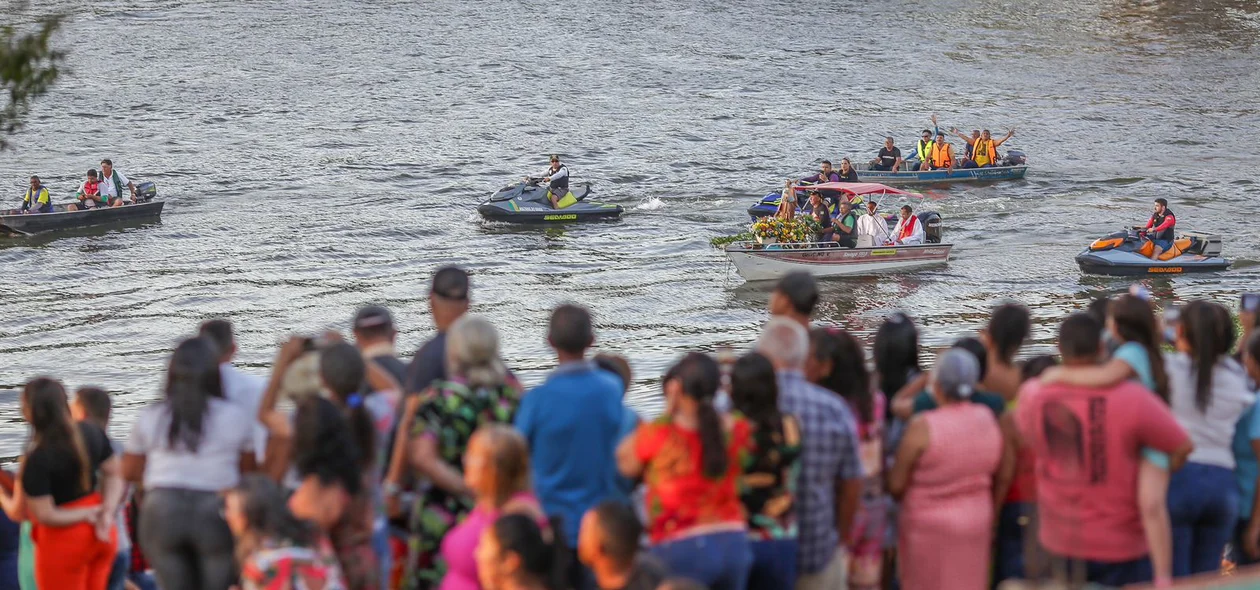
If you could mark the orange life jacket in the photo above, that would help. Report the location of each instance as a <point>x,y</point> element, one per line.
<point>942,155</point>
<point>983,152</point>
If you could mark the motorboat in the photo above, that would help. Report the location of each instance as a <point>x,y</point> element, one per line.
<point>62,217</point>
<point>854,192</point>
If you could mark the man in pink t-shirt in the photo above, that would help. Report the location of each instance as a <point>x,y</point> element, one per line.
<point>1088,444</point>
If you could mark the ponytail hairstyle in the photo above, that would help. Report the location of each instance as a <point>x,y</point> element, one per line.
<point>1209,331</point>
<point>192,378</point>
<point>323,447</point>
<point>540,559</point>
<point>1009,326</point>
<point>896,352</point>
<point>48,411</point>
<point>1135,322</point>
<point>342,370</point>
<point>699,376</point>
<point>848,377</point>
<point>755,394</point>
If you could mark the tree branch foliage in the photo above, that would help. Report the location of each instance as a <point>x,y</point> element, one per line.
<point>28,67</point>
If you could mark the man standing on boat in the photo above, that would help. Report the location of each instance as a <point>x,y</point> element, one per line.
<point>889,158</point>
<point>1162,227</point>
<point>873,225</point>
<point>909,230</point>
<point>36,199</point>
<point>112,183</point>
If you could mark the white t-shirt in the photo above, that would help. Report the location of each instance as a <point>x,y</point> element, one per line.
<point>1212,431</point>
<point>107,185</point>
<point>247,391</point>
<point>227,431</point>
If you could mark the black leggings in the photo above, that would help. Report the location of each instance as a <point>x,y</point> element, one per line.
<point>186,540</point>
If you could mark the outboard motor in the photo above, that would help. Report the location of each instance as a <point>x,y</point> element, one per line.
<point>931,221</point>
<point>1014,158</point>
<point>146,191</point>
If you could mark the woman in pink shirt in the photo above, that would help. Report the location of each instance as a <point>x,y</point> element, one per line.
<point>496,470</point>
<point>950,471</point>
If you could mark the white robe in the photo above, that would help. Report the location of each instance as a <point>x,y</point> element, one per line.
<point>916,236</point>
<point>875,227</point>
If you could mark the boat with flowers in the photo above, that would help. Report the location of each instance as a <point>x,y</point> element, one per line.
<point>854,192</point>
<point>782,246</point>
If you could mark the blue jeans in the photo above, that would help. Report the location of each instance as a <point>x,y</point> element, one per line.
<point>720,561</point>
<point>143,581</point>
<point>1008,550</point>
<point>122,565</point>
<point>773,564</point>
<point>1107,573</point>
<point>1203,506</point>
<point>380,546</point>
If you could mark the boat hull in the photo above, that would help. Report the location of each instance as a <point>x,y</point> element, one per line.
<point>1127,264</point>
<point>546,215</point>
<point>765,263</point>
<point>902,178</point>
<point>13,222</point>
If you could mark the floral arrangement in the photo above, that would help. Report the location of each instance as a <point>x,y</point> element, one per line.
<point>775,229</point>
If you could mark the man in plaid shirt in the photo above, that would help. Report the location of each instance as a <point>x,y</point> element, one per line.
<point>830,483</point>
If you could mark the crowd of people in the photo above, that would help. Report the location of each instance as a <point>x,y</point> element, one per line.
<point>799,464</point>
<point>103,189</point>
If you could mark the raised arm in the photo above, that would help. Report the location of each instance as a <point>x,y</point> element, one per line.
<point>968,139</point>
<point>289,352</point>
<point>1107,374</point>
<point>998,142</point>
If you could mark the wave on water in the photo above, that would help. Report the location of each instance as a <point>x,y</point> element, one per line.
<point>650,204</point>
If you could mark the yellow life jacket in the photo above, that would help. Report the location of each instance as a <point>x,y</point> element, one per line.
<point>983,152</point>
<point>37,198</point>
<point>942,155</point>
<point>925,149</point>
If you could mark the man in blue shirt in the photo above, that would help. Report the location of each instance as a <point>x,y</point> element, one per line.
<point>572,423</point>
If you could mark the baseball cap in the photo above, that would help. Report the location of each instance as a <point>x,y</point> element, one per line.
<point>373,316</point>
<point>450,282</point>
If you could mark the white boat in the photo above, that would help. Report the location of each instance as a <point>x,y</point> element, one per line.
<point>758,262</point>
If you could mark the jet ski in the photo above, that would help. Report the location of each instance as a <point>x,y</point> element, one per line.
<point>527,202</point>
<point>1129,252</point>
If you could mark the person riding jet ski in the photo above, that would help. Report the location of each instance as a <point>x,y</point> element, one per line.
<point>1161,227</point>
<point>557,179</point>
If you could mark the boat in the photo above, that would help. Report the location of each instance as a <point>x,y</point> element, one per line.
<point>855,192</point>
<point>13,222</point>
<point>906,177</point>
<point>527,202</point>
<point>766,262</point>
<point>1127,253</point>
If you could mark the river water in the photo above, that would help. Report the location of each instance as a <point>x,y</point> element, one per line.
<point>319,156</point>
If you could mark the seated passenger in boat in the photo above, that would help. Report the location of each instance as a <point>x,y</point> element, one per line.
<point>825,174</point>
<point>89,193</point>
<point>889,158</point>
<point>923,147</point>
<point>844,229</point>
<point>909,230</point>
<point>872,229</point>
<point>983,149</point>
<point>847,173</point>
<point>112,184</point>
<point>821,211</point>
<point>1161,228</point>
<point>36,199</point>
<point>942,154</point>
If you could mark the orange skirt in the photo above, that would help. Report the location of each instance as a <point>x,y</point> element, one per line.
<point>72,557</point>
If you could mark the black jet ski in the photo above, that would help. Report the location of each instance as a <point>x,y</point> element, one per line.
<point>527,202</point>
<point>1129,253</point>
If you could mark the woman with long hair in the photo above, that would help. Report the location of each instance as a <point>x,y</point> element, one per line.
<point>1009,326</point>
<point>186,449</point>
<point>71,523</point>
<point>1208,392</point>
<point>274,548</point>
<point>770,470</point>
<point>896,351</point>
<point>1131,323</point>
<point>948,475</point>
<point>496,470</point>
<point>691,458</point>
<point>515,553</point>
<point>837,362</point>
<point>481,390</point>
